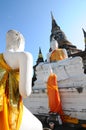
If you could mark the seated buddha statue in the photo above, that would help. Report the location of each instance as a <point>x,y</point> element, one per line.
<point>16,67</point>
<point>56,53</point>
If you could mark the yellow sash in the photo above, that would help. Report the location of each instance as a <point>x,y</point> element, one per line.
<point>11,106</point>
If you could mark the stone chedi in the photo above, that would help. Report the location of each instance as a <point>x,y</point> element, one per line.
<point>71,82</point>
<point>70,76</point>
<point>39,60</point>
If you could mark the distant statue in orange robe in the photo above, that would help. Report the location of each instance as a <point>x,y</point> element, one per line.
<point>56,53</point>
<point>53,94</point>
<point>55,100</point>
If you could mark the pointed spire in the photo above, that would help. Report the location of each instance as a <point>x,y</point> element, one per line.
<point>40,57</point>
<point>84,37</point>
<point>84,32</point>
<point>54,24</point>
<point>61,38</point>
<point>56,32</point>
<point>52,15</point>
<point>40,53</point>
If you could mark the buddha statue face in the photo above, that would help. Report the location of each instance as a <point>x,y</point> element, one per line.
<point>14,41</point>
<point>53,44</point>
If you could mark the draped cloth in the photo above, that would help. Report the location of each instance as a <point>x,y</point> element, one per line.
<point>57,55</point>
<point>11,106</point>
<point>55,101</point>
<point>53,95</point>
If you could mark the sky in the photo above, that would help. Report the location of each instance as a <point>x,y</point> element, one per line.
<point>33,19</point>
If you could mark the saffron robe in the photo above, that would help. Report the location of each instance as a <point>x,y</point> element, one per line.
<point>11,106</point>
<point>57,55</point>
<point>53,95</point>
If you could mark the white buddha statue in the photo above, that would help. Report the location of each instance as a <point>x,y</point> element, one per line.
<point>56,53</point>
<point>16,58</point>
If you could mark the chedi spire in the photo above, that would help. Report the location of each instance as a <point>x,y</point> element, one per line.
<point>61,38</point>
<point>84,37</point>
<point>40,57</point>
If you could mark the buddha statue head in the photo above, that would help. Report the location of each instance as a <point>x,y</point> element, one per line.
<point>53,44</point>
<point>14,41</point>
